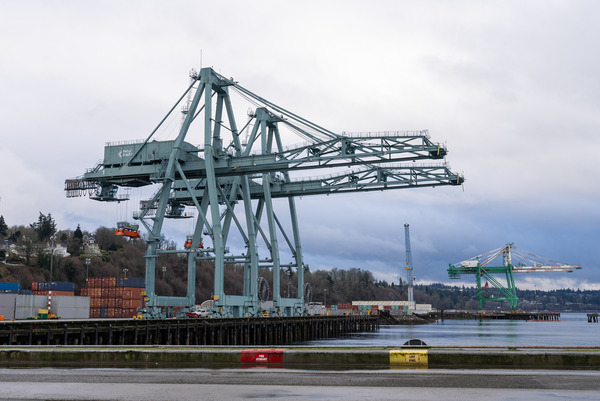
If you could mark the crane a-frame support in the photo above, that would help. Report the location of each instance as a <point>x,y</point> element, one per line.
<point>227,173</point>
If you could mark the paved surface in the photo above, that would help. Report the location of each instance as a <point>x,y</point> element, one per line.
<point>244,384</point>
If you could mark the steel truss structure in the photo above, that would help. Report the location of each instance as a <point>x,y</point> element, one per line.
<point>514,260</point>
<point>230,171</point>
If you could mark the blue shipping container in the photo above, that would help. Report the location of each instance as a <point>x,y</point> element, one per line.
<point>56,286</point>
<point>137,282</point>
<point>10,286</point>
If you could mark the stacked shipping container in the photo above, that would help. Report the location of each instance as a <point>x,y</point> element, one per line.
<point>58,288</point>
<point>112,298</point>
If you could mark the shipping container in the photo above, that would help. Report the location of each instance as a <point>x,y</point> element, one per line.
<point>65,293</point>
<point>131,303</point>
<point>10,286</point>
<point>138,282</point>
<point>7,306</point>
<point>56,286</point>
<point>26,306</point>
<point>103,313</point>
<point>132,293</point>
<point>70,307</point>
<point>34,286</point>
<point>94,313</point>
<point>83,292</point>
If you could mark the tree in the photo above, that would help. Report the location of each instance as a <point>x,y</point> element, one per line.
<point>75,247</point>
<point>45,227</point>
<point>3,227</point>
<point>78,233</point>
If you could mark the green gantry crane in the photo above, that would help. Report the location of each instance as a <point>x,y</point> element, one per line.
<point>514,260</point>
<point>248,168</point>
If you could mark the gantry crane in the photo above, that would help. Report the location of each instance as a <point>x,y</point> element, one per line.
<point>514,260</point>
<point>231,169</point>
<point>409,264</point>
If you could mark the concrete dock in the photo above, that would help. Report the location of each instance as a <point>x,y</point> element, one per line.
<point>306,358</point>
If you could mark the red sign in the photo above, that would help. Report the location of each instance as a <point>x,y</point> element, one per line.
<point>262,356</point>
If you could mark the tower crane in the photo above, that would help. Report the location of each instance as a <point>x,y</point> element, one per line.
<point>514,260</point>
<point>409,265</point>
<point>226,173</point>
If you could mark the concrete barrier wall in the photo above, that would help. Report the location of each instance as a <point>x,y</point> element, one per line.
<point>302,358</point>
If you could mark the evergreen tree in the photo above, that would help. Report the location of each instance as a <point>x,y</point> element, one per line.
<point>78,233</point>
<point>45,227</point>
<point>3,227</point>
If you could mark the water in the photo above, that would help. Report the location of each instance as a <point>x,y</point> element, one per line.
<point>572,330</point>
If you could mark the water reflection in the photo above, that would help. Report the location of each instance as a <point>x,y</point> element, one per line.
<point>572,330</point>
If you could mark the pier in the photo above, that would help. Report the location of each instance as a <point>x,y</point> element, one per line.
<point>537,316</point>
<point>238,331</point>
<point>592,317</point>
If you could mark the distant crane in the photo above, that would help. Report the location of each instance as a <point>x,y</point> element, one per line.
<point>515,260</point>
<point>409,265</point>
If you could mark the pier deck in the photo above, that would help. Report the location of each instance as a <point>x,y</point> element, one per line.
<point>242,331</point>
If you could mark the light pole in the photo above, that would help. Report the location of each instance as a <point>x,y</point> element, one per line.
<point>164,270</point>
<point>53,237</point>
<point>325,300</point>
<point>87,268</point>
<point>125,270</point>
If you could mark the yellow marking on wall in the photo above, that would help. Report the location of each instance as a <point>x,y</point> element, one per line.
<point>409,357</point>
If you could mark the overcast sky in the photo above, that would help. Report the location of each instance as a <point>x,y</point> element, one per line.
<point>511,87</point>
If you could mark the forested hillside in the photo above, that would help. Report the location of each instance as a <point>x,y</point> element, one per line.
<point>25,257</point>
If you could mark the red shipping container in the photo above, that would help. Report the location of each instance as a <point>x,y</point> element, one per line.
<point>132,292</point>
<point>104,302</point>
<point>83,292</point>
<point>104,293</point>
<point>95,303</point>
<point>112,292</point>
<point>119,292</point>
<point>34,286</point>
<point>119,302</point>
<point>94,312</point>
<point>112,302</point>
<point>110,313</point>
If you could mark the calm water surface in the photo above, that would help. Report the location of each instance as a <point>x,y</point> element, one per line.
<point>572,330</point>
